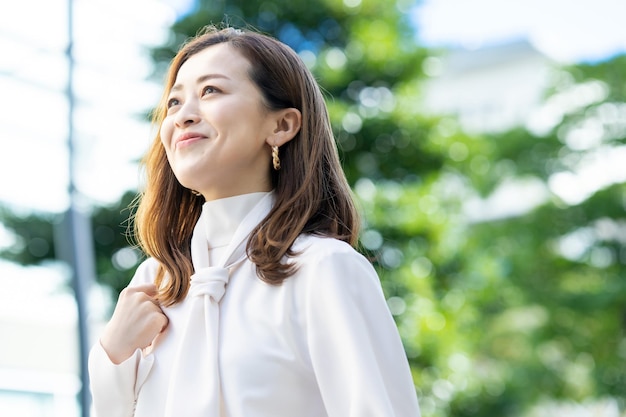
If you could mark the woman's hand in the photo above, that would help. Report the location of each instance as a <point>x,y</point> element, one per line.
<point>136,321</point>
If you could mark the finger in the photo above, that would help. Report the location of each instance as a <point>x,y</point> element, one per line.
<point>148,289</point>
<point>167,322</point>
<point>156,302</point>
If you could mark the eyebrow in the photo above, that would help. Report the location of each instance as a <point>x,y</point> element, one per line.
<point>200,80</point>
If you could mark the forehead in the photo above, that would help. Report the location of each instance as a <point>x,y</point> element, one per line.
<point>216,59</point>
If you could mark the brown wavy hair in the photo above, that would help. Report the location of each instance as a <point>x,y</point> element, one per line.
<point>312,195</point>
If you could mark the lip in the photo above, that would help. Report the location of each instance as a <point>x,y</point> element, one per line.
<point>189,137</point>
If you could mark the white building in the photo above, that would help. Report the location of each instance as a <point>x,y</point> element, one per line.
<point>488,89</point>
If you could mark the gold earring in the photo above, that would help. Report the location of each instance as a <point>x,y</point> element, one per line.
<point>275,158</point>
<point>196,193</point>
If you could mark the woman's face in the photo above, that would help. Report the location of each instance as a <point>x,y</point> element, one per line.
<point>217,128</point>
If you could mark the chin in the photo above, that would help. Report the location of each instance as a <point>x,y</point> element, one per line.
<point>189,179</point>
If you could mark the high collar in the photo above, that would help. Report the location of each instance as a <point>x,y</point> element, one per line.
<point>222,217</point>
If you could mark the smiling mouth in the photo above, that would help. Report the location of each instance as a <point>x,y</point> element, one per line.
<point>188,139</point>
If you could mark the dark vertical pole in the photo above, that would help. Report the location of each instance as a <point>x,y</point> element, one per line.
<point>76,235</point>
<point>74,245</point>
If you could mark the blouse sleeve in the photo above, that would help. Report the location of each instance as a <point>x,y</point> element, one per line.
<point>354,345</point>
<point>114,387</point>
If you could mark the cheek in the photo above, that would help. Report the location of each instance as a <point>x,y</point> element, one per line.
<point>165,132</point>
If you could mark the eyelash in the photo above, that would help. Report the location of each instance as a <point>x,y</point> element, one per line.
<point>204,90</point>
<point>174,101</point>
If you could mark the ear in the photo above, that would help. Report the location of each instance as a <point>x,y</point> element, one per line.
<point>287,125</point>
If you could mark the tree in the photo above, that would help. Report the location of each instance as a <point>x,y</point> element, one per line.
<point>116,255</point>
<point>559,282</point>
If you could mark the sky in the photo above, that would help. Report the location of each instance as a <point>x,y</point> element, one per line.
<point>567,31</point>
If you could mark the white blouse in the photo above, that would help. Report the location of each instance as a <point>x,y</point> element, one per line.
<point>321,344</point>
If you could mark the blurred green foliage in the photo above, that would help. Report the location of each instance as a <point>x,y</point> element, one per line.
<point>496,314</point>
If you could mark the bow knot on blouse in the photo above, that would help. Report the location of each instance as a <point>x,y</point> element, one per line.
<point>195,387</point>
<point>209,281</point>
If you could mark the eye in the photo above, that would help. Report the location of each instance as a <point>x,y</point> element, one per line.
<point>172,102</point>
<point>209,89</point>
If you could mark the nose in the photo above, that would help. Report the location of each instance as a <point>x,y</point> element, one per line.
<point>188,114</point>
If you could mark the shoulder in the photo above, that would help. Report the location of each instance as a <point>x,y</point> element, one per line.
<point>312,249</point>
<point>145,272</point>
<point>328,261</point>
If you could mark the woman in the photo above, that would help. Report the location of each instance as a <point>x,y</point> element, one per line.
<point>253,301</point>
